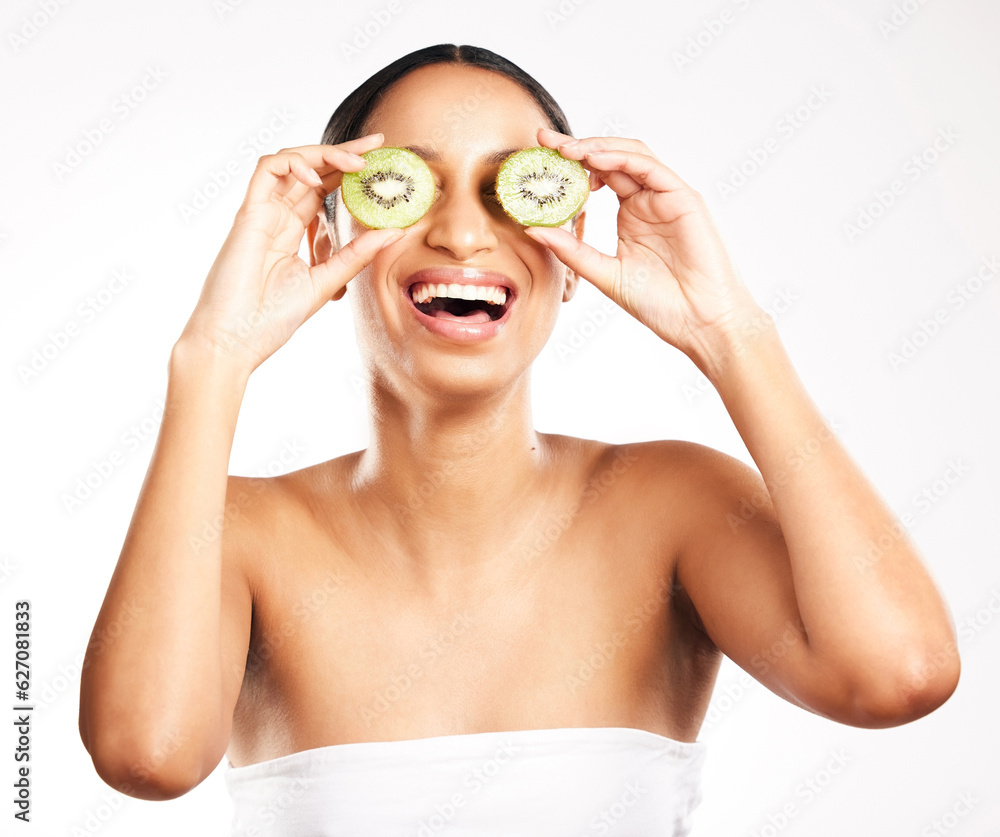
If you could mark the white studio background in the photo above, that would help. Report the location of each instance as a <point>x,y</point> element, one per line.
<point>849,153</point>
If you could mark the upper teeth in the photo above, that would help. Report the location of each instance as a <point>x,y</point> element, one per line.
<point>426,291</point>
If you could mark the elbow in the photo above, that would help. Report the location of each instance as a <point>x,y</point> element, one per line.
<point>160,769</point>
<point>920,684</point>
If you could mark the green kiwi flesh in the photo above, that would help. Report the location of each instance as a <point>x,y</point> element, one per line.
<point>539,187</point>
<point>394,189</point>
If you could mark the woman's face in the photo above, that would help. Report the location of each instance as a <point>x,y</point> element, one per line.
<point>463,122</point>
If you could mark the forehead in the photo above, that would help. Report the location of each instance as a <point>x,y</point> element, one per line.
<point>457,110</point>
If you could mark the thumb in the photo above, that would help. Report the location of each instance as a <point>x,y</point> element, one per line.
<point>331,277</point>
<point>593,265</point>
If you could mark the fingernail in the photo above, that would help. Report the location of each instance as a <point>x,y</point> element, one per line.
<point>392,239</point>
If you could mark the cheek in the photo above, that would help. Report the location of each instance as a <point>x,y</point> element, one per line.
<point>376,311</point>
<point>548,274</point>
<point>369,319</point>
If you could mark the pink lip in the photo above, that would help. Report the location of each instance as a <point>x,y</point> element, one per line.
<point>462,332</point>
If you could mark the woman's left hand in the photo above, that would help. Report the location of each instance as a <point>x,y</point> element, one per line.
<point>672,271</point>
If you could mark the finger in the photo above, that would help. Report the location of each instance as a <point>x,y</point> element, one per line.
<point>576,148</point>
<point>582,150</point>
<point>330,277</point>
<point>277,174</point>
<point>644,171</point>
<point>621,184</point>
<point>308,202</point>
<point>553,139</point>
<point>325,158</point>
<point>291,173</point>
<point>591,264</point>
<point>334,165</point>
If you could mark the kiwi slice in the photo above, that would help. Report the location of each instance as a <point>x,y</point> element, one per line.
<point>539,187</point>
<point>394,189</point>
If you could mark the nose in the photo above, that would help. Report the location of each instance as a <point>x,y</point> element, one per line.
<point>461,225</point>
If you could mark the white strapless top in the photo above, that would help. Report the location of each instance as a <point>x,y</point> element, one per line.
<point>552,782</point>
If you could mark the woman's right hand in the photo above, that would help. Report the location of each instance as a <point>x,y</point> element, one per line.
<point>258,291</point>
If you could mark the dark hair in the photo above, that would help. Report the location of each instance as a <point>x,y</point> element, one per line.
<point>349,119</point>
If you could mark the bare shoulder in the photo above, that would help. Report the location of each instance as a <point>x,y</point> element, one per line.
<point>682,500</point>
<point>268,515</point>
<point>702,480</point>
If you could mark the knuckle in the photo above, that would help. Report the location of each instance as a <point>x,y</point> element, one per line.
<point>697,198</point>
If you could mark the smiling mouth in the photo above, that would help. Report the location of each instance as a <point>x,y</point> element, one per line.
<point>464,303</point>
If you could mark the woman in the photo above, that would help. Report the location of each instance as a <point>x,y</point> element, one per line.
<point>401,637</point>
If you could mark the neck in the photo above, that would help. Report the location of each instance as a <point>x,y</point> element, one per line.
<point>451,478</point>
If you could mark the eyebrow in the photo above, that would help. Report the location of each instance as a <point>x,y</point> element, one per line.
<point>495,158</point>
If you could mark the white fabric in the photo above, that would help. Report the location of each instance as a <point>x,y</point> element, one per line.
<point>573,781</point>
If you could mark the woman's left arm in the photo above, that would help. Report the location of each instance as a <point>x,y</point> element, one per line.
<point>806,579</point>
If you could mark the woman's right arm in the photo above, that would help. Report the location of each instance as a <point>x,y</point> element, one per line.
<point>165,663</point>
<point>159,684</point>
